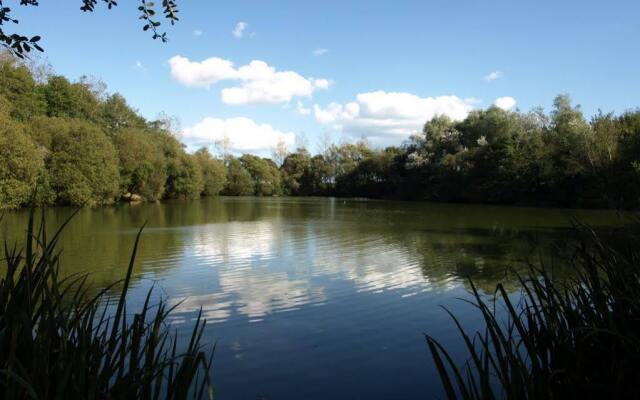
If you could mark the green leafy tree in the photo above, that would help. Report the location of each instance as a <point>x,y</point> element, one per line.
<point>265,175</point>
<point>239,181</point>
<point>83,164</point>
<point>345,157</point>
<point>374,176</point>
<point>317,179</point>
<point>214,174</point>
<point>20,89</point>
<point>142,164</point>
<point>116,114</point>
<point>293,169</point>
<point>185,178</point>
<point>60,98</point>
<point>21,164</point>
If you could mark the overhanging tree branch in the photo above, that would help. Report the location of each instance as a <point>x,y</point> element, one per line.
<point>21,45</point>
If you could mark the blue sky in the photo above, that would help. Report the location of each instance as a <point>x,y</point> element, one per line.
<point>388,65</point>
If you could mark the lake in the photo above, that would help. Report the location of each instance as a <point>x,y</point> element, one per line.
<point>314,298</point>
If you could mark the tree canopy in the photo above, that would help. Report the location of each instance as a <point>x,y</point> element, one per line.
<point>69,143</point>
<point>72,143</point>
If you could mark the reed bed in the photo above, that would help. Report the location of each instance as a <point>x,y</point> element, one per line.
<point>58,341</point>
<point>574,338</point>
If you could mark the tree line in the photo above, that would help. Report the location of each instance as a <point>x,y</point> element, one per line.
<point>72,143</point>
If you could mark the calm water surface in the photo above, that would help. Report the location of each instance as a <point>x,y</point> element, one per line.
<point>314,298</point>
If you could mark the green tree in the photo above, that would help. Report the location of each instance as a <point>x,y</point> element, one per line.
<point>185,177</point>
<point>214,174</point>
<point>293,169</point>
<point>345,157</point>
<point>20,164</point>
<point>20,89</point>
<point>374,176</point>
<point>83,164</point>
<point>317,178</point>
<point>142,164</point>
<point>265,175</point>
<point>60,98</point>
<point>239,181</point>
<point>116,114</point>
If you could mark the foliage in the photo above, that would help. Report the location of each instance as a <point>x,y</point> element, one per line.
<point>20,45</point>
<point>239,181</point>
<point>185,178</point>
<point>317,180</point>
<point>59,341</point>
<point>20,164</point>
<point>265,174</point>
<point>142,164</point>
<point>83,163</point>
<point>214,174</point>
<point>95,147</point>
<point>491,156</point>
<point>294,167</point>
<point>578,338</point>
<point>116,114</point>
<point>500,156</point>
<point>19,88</point>
<point>60,99</point>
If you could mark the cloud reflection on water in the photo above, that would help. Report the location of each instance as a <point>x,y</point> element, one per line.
<point>267,266</point>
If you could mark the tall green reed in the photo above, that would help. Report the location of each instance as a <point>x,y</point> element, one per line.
<point>575,338</point>
<point>57,341</point>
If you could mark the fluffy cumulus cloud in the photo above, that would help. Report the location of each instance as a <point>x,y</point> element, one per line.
<point>506,103</point>
<point>241,134</point>
<point>492,76</point>
<point>383,114</point>
<point>238,31</point>
<point>201,74</point>
<point>259,83</point>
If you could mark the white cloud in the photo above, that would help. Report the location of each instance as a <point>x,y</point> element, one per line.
<point>506,103</point>
<point>197,33</point>
<point>139,66</point>
<point>201,74</point>
<point>380,114</point>
<point>320,52</point>
<point>492,76</point>
<point>243,134</point>
<point>302,110</point>
<point>322,84</point>
<point>260,83</point>
<point>238,31</point>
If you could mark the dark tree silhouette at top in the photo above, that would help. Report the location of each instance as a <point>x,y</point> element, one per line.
<point>20,45</point>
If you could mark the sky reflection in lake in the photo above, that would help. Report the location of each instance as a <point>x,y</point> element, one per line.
<point>314,298</point>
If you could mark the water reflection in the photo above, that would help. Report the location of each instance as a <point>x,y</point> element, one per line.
<point>330,296</point>
<point>290,254</point>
